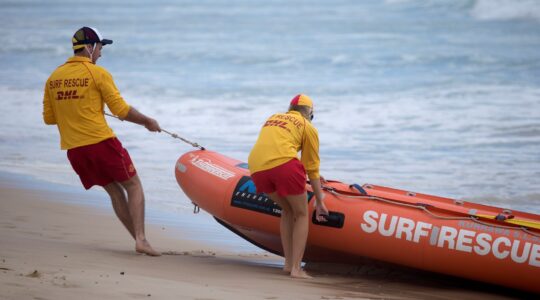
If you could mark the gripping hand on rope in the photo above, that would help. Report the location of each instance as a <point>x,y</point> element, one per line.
<point>152,125</point>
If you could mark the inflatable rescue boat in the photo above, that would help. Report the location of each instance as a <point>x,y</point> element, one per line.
<point>421,231</point>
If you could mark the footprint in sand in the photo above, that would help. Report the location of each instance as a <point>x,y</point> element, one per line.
<point>9,226</point>
<point>35,274</point>
<point>21,218</point>
<point>139,295</point>
<point>14,284</point>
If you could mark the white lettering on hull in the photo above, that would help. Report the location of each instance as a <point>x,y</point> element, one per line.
<point>207,166</point>
<point>448,237</point>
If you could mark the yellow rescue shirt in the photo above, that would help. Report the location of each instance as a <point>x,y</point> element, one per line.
<point>280,139</point>
<point>74,99</point>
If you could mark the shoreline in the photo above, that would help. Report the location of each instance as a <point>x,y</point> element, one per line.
<point>179,222</point>
<point>55,248</point>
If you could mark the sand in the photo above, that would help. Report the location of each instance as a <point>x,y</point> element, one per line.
<point>51,248</point>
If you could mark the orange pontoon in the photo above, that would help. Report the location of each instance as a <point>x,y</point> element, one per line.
<point>436,234</point>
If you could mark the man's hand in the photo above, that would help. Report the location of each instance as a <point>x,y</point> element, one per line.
<point>321,212</point>
<point>152,125</point>
<point>320,208</point>
<point>136,117</point>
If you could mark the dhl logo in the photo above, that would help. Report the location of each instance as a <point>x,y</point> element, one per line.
<point>67,95</point>
<point>277,123</point>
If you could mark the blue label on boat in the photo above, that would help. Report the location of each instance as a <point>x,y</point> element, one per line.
<point>245,196</point>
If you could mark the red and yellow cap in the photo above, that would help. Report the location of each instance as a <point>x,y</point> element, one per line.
<point>302,99</point>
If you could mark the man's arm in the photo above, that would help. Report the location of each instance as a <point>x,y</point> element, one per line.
<point>118,106</point>
<point>310,152</point>
<point>310,160</point>
<point>137,117</point>
<point>48,113</point>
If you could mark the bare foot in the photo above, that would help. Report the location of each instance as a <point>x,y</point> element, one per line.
<point>301,274</point>
<point>144,247</point>
<point>287,268</point>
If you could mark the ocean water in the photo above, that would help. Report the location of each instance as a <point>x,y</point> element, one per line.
<point>439,97</point>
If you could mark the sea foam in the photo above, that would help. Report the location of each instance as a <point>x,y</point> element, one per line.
<point>506,10</point>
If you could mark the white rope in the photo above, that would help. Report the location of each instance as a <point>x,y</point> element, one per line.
<point>174,135</point>
<point>399,203</point>
<point>425,209</point>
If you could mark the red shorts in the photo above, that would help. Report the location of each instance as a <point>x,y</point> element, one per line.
<point>101,163</point>
<point>287,179</point>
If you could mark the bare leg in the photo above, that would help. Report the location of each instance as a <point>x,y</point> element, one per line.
<point>119,203</point>
<point>286,226</point>
<point>299,207</point>
<point>135,194</point>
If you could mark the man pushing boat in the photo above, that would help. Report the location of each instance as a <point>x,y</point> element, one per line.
<point>74,97</point>
<point>277,172</point>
